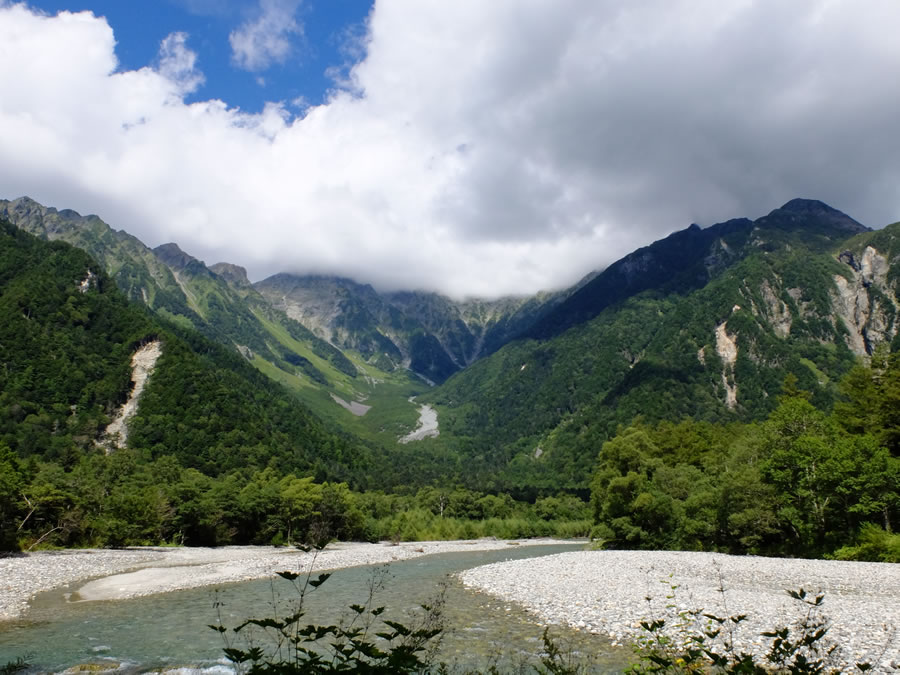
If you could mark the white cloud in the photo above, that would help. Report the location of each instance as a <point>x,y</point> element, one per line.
<point>479,148</point>
<point>178,64</point>
<point>266,38</point>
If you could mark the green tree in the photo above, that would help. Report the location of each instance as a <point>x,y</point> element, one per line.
<point>11,502</point>
<point>300,500</point>
<point>806,460</point>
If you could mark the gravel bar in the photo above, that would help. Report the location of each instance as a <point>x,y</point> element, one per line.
<point>134,572</point>
<point>610,592</point>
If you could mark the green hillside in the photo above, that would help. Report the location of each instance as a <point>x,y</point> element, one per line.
<point>703,324</point>
<point>670,394</point>
<point>67,336</point>
<point>227,309</point>
<point>216,452</point>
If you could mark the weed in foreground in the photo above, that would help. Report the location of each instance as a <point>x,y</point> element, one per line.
<point>365,642</point>
<point>702,642</point>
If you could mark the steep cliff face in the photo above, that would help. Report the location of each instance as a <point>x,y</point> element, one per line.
<point>810,300</point>
<point>428,333</point>
<point>866,302</point>
<point>776,309</point>
<point>727,349</point>
<point>861,307</point>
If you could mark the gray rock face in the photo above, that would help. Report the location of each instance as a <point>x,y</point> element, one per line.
<point>142,364</point>
<point>233,274</point>
<point>173,256</point>
<point>428,333</point>
<point>861,302</point>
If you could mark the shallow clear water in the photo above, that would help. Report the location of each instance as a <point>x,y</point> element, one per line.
<point>171,630</point>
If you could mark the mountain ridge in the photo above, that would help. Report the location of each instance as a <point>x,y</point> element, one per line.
<point>705,323</point>
<point>710,333</point>
<point>689,257</point>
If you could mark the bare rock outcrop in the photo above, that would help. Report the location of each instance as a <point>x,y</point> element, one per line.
<point>777,310</point>
<point>726,347</point>
<point>142,363</point>
<point>859,301</point>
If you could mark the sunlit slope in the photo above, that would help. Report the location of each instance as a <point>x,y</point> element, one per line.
<point>221,303</point>
<point>67,337</point>
<point>706,323</point>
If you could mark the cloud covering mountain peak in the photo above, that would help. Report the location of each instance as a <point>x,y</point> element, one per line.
<point>476,148</point>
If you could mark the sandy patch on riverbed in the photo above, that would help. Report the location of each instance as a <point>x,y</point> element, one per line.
<point>134,572</point>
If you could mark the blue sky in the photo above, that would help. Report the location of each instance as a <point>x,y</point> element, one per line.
<point>472,147</point>
<point>324,41</point>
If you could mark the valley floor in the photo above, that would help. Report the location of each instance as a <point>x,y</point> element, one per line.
<point>107,574</point>
<point>610,592</point>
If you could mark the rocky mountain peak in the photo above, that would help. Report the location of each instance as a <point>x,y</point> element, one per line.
<point>173,256</point>
<point>233,274</point>
<point>800,212</point>
<point>27,205</point>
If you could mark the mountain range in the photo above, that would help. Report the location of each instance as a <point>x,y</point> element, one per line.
<point>707,323</point>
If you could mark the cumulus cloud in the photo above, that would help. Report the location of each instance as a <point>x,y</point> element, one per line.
<point>476,148</point>
<point>178,64</point>
<point>266,39</point>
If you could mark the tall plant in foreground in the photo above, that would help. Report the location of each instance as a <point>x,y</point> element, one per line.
<point>703,642</point>
<point>364,641</point>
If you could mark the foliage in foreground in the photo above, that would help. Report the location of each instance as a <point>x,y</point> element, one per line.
<point>685,641</point>
<point>366,642</point>
<point>703,642</point>
<point>20,665</point>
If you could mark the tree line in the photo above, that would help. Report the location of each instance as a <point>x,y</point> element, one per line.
<point>799,483</point>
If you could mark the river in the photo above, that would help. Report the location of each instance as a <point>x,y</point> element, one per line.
<point>171,630</point>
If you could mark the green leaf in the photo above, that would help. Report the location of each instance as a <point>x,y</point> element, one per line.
<point>315,583</point>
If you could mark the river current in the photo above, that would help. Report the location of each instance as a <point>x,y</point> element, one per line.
<point>171,630</point>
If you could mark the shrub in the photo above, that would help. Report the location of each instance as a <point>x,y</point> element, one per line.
<point>874,545</point>
<point>703,642</point>
<point>367,642</point>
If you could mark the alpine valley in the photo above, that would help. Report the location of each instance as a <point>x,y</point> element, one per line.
<point>146,396</point>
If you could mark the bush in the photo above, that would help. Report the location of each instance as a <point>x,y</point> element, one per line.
<point>874,545</point>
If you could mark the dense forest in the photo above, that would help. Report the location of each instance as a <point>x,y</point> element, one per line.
<point>800,483</point>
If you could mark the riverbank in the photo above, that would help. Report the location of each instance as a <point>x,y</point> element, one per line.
<point>606,592</point>
<point>134,572</point>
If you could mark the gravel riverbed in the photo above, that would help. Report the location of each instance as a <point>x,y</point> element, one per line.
<point>606,592</point>
<point>135,572</point>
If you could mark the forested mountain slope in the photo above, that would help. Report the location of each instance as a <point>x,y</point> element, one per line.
<point>171,282</point>
<point>67,336</point>
<point>220,302</point>
<point>705,323</point>
<point>339,345</point>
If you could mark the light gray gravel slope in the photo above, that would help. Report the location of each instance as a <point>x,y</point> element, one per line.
<point>606,592</point>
